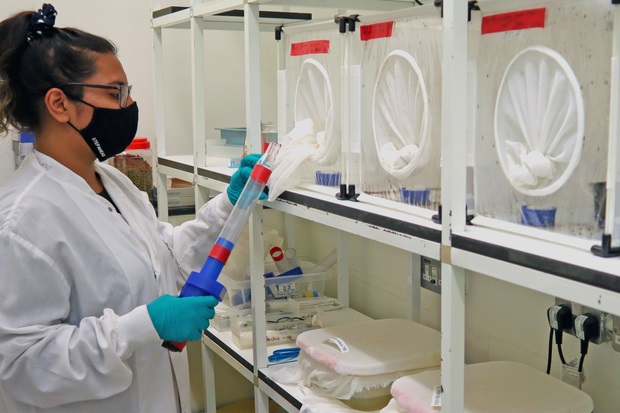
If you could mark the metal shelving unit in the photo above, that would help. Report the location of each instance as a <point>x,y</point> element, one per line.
<point>555,268</point>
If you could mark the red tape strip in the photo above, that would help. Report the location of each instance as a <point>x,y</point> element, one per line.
<point>516,20</point>
<point>310,47</point>
<point>260,174</point>
<point>376,31</point>
<point>219,253</point>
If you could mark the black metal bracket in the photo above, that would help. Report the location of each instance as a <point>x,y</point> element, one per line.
<point>342,22</point>
<point>471,5</point>
<point>278,32</point>
<point>437,217</point>
<point>346,23</point>
<point>349,195</point>
<point>605,250</point>
<point>352,20</point>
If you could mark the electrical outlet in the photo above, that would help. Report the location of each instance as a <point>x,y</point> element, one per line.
<point>605,321</point>
<point>431,275</point>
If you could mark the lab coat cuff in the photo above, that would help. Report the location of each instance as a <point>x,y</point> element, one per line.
<point>223,207</point>
<point>136,328</point>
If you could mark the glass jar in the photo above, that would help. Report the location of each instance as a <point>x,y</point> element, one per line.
<point>136,162</point>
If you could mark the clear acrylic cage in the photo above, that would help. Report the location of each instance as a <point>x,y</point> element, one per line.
<point>401,107</point>
<point>542,114</point>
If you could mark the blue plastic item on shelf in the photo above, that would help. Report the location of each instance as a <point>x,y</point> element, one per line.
<point>327,178</point>
<point>538,217</point>
<point>415,196</point>
<point>233,136</point>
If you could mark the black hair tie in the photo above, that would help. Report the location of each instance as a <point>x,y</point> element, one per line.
<point>41,21</point>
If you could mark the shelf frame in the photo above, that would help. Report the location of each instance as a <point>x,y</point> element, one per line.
<point>461,249</point>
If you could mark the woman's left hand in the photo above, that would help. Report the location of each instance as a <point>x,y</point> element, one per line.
<point>241,176</point>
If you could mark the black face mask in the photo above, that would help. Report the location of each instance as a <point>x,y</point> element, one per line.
<point>110,131</point>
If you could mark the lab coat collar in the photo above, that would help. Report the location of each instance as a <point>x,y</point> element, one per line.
<point>54,168</point>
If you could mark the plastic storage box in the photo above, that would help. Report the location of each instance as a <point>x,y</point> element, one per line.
<point>233,136</point>
<point>282,327</point>
<point>278,287</point>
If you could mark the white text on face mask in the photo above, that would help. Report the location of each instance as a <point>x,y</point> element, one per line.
<point>96,142</point>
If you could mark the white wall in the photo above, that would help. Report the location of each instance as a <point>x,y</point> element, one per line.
<point>224,84</point>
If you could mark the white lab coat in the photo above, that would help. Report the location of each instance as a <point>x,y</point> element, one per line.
<point>75,278</point>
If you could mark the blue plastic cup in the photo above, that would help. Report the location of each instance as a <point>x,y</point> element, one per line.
<point>417,197</point>
<point>538,217</point>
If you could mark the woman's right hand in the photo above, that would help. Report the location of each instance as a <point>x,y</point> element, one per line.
<point>181,319</point>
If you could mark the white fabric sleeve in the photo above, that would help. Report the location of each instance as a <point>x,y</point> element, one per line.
<point>45,362</point>
<point>191,241</point>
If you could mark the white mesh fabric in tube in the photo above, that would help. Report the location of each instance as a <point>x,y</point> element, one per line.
<point>539,121</point>
<point>314,100</point>
<point>400,115</point>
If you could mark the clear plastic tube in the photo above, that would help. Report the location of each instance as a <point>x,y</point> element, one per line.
<point>326,262</point>
<point>286,261</point>
<point>205,282</point>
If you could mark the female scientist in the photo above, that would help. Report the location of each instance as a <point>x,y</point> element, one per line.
<point>89,275</point>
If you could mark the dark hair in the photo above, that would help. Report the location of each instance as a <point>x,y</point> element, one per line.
<point>28,69</point>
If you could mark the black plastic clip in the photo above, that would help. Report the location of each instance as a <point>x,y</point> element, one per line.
<point>345,195</point>
<point>471,5</point>
<point>605,250</point>
<point>346,22</point>
<point>279,31</point>
<point>352,20</point>
<point>342,22</point>
<point>437,217</point>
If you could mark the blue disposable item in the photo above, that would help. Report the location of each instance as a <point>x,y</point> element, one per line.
<point>234,162</point>
<point>205,282</point>
<point>181,319</point>
<point>285,354</point>
<point>414,196</point>
<point>538,217</point>
<point>327,178</point>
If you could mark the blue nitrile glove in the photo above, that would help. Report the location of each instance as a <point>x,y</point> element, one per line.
<point>241,176</point>
<point>181,319</point>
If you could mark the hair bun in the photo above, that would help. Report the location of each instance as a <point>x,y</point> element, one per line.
<point>41,21</point>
